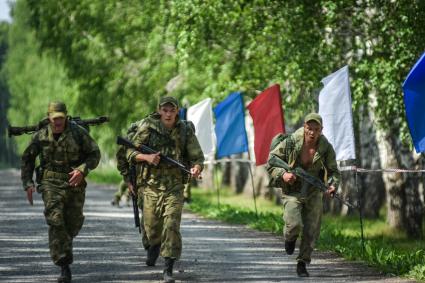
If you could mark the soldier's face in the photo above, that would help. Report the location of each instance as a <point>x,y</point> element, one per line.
<point>58,124</point>
<point>168,114</point>
<point>312,131</point>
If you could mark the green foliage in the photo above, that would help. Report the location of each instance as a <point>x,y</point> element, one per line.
<point>203,204</point>
<point>120,56</point>
<point>33,79</point>
<point>391,252</point>
<point>379,251</point>
<point>105,175</point>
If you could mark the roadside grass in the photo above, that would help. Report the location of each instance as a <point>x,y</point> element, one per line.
<point>388,250</point>
<point>105,175</point>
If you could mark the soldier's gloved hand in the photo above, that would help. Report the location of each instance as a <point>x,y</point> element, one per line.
<point>76,177</point>
<point>30,191</point>
<point>289,178</point>
<point>195,171</point>
<point>330,192</point>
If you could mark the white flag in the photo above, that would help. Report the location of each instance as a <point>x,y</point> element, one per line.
<point>202,117</point>
<point>335,109</point>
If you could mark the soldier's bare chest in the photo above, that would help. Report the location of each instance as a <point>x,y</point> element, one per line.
<point>307,155</point>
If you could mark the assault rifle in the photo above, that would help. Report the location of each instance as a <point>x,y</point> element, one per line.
<point>17,131</point>
<point>275,161</point>
<point>146,149</point>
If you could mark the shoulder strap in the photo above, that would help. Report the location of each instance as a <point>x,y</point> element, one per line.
<point>76,132</point>
<point>277,140</point>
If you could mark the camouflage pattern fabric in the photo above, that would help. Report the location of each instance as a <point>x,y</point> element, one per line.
<point>63,204</point>
<point>303,203</point>
<point>163,185</point>
<point>123,167</point>
<point>121,156</point>
<point>121,191</point>
<point>145,240</point>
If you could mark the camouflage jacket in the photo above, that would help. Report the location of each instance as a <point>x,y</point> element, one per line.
<point>324,163</point>
<point>169,142</point>
<point>74,149</point>
<point>121,156</point>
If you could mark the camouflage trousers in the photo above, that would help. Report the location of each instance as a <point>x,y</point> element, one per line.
<point>162,216</point>
<point>122,190</point>
<point>302,215</point>
<point>145,241</point>
<point>64,215</point>
<point>188,192</point>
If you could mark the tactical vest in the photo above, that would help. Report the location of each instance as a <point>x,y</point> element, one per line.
<point>64,156</point>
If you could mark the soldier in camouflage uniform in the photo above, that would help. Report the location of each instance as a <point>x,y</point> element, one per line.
<point>121,191</point>
<point>67,153</point>
<point>123,167</point>
<point>302,203</point>
<point>162,183</point>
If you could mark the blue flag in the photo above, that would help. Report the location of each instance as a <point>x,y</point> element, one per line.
<point>230,126</point>
<point>182,113</point>
<point>414,101</point>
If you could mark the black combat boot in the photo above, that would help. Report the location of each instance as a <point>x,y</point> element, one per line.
<point>66,275</point>
<point>168,271</point>
<point>290,247</point>
<point>153,253</point>
<point>302,270</point>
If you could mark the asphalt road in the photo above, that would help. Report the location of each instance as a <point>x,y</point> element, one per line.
<point>108,248</point>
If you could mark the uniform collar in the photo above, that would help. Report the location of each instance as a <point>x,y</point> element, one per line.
<point>321,148</point>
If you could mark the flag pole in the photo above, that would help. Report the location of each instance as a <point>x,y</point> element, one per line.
<point>216,181</point>
<point>252,184</point>
<point>359,198</point>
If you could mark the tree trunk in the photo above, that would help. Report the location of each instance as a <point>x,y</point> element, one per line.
<point>404,207</point>
<point>8,155</point>
<point>240,173</point>
<point>226,173</point>
<point>370,185</point>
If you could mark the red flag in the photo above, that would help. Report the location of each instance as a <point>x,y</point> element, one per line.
<point>267,115</point>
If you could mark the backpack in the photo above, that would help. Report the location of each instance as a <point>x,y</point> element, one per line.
<point>123,165</point>
<point>277,140</point>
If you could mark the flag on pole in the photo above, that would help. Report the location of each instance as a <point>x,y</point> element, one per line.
<point>201,116</point>
<point>230,126</point>
<point>335,109</point>
<point>414,102</point>
<point>182,113</point>
<point>267,116</point>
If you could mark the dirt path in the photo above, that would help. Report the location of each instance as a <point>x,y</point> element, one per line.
<point>108,248</point>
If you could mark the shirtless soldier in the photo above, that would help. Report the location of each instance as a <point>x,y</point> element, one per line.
<point>302,203</point>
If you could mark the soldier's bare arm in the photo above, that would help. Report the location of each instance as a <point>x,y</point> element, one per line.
<point>28,165</point>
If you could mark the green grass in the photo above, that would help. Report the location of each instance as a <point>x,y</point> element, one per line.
<point>105,175</point>
<point>388,250</point>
